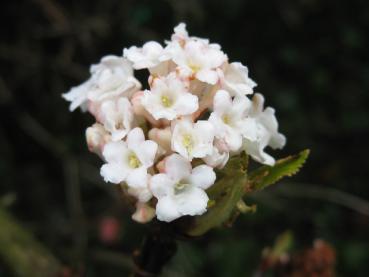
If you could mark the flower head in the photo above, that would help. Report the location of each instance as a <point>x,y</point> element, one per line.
<point>194,109</point>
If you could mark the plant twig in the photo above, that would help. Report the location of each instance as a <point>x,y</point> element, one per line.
<point>157,249</point>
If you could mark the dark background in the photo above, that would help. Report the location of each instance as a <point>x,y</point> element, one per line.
<point>310,60</point>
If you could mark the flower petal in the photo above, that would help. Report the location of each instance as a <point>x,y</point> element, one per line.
<point>166,209</point>
<point>208,76</point>
<point>177,167</point>
<point>114,173</point>
<point>161,185</point>
<point>146,152</point>
<point>192,201</point>
<point>115,151</point>
<point>222,102</point>
<point>137,177</point>
<point>202,176</point>
<point>135,138</point>
<point>186,104</point>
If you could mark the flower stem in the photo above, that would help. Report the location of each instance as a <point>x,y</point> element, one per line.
<point>158,247</point>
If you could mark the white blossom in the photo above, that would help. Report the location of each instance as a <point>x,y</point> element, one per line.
<point>236,80</point>
<point>180,190</point>
<point>112,77</point>
<point>129,160</point>
<point>263,133</point>
<point>195,110</point>
<point>199,60</point>
<point>117,117</point>
<point>192,140</point>
<point>228,118</point>
<point>169,98</point>
<point>146,56</point>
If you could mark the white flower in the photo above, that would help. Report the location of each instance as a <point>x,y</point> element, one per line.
<point>180,191</point>
<point>264,132</point>
<point>78,96</point>
<point>199,59</point>
<point>112,77</point>
<point>129,161</point>
<point>97,137</point>
<point>117,117</point>
<point>151,56</point>
<point>144,213</point>
<point>236,80</point>
<point>145,57</point>
<point>192,140</point>
<point>169,98</point>
<point>228,118</point>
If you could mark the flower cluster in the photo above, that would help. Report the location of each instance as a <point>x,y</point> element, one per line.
<point>162,143</point>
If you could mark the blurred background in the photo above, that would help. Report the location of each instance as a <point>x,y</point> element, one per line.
<point>310,60</point>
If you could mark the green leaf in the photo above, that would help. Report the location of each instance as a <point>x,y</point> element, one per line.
<point>267,175</point>
<point>224,194</point>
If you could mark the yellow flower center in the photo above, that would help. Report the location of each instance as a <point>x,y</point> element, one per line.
<point>226,119</point>
<point>180,187</point>
<point>194,67</point>
<point>166,101</point>
<point>133,161</point>
<point>187,142</point>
